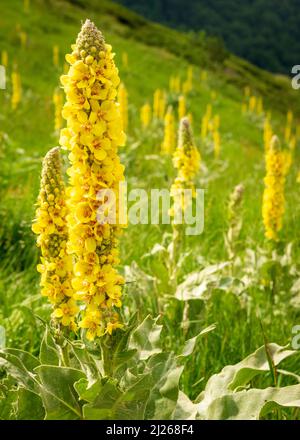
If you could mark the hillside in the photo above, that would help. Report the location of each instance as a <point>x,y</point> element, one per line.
<point>238,298</point>
<point>248,28</point>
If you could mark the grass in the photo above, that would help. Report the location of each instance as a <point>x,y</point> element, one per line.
<point>29,135</point>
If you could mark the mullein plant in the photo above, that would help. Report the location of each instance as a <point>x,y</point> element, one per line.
<point>168,143</point>
<point>93,135</point>
<point>156,103</point>
<point>273,197</point>
<point>52,235</point>
<point>145,115</point>
<point>4,58</point>
<point>16,89</point>
<point>55,55</point>
<point>234,220</point>
<point>58,105</point>
<point>181,107</point>
<point>186,160</point>
<point>123,103</point>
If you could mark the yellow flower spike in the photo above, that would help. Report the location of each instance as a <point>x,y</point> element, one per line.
<point>288,127</point>
<point>123,101</point>
<point>55,55</point>
<point>181,107</point>
<point>268,133</point>
<point>162,105</point>
<point>145,115</point>
<point>217,143</point>
<point>93,135</point>
<point>51,228</point>
<point>16,89</point>
<point>125,60</point>
<point>168,144</point>
<point>156,103</point>
<point>273,197</point>
<point>4,58</point>
<point>58,105</point>
<point>186,158</point>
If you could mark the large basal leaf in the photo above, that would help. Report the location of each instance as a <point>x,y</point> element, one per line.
<point>57,392</point>
<point>49,350</point>
<point>165,375</point>
<point>112,403</point>
<point>190,344</point>
<point>197,284</point>
<point>253,404</point>
<point>185,409</point>
<point>145,338</point>
<point>28,406</point>
<point>233,377</point>
<point>20,364</point>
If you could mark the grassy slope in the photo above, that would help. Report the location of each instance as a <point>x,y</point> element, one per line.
<point>30,132</point>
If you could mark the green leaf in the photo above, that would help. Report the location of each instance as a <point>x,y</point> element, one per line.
<point>190,344</point>
<point>234,377</point>
<point>20,364</point>
<point>145,338</point>
<point>165,376</point>
<point>253,404</point>
<point>111,403</point>
<point>49,350</point>
<point>2,337</point>
<point>58,393</point>
<point>29,406</point>
<point>185,408</point>
<point>197,284</point>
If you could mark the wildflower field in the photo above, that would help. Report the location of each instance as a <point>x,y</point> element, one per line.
<point>141,318</point>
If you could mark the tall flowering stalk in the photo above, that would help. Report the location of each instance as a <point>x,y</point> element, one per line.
<point>125,60</point>
<point>186,161</point>
<point>268,133</point>
<point>58,105</point>
<point>162,105</point>
<point>93,135</point>
<point>145,115</point>
<point>288,126</point>
<point>123,102</point>
<point>55,55</point>
<point>4,58</point>
<point>156,103</point>
<point>234,220</point>
<point>181,107</point>
<point>169,132</point>
<point>16,89</point>
<point>273,197</point>
<point>51,229</point>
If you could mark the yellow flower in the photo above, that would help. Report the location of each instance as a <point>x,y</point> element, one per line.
<point>181,107</point>
<point>93,135</point>
<point>145,115</point>
<point>169,132</point>
<point>16,89</point>
<point>51,228</point>
<point>273,197</point>
<point>58,104</point>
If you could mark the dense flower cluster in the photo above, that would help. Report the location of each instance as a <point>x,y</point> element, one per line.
<point>273,197</point>
<point>93,134</point>
<point>50,226</point>
<point>168,143</point>
<point>186,160</point>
